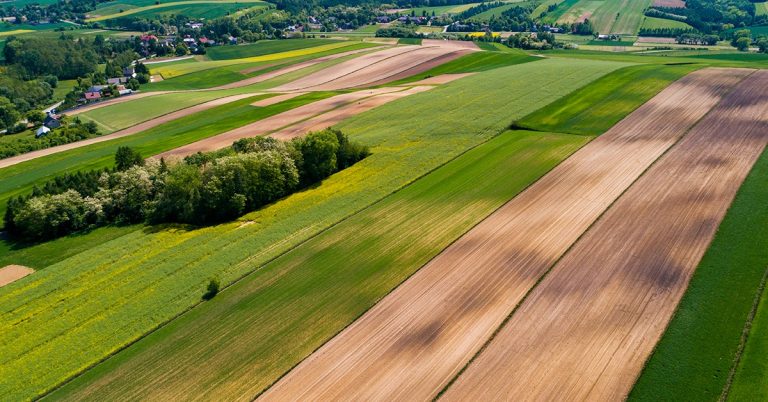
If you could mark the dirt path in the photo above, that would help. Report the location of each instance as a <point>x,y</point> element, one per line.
<point>585,332</point>
<point>12,273</point>
<point>4,163</point>
<point>338,115</point>
<point>274,123</point>
<point>415,340</point>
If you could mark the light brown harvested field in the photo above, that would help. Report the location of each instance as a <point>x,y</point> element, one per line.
<point>585,332</point>
<point>450,44</point>
<point>377,67</point>
<point>338,115</point>
<point>442,59</point>
<point>669,3</point>
<point>277,99</point>
<point>273,123</point>
<point>415,340</point>
<point>441,79</point>
<point>12,273</point>
<point>125,132</point>
<point>651,39</point>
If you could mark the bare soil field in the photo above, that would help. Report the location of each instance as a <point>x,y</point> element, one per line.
<point>378,67</point>
<point>669,3</point>
<point>450,44</point>
<point>445,58</point>
<point>585,332</point>
<point>12,273</point>
<point>277,99</point>
<point>651,39</point>
<point>125,132</point>
<point>415,340</point>
<point>338,115</point>
<point>274,123</point>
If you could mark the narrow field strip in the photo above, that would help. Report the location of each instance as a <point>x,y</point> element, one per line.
<point>131,130</point>
<point>414,341</point>
<point>274,123</point>
<point>585,332</point>
<point>175,4</point>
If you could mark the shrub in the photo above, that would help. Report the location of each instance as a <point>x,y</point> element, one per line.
<point>211,290</point>
<point>126,157</point>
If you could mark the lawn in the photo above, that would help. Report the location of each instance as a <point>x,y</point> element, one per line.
<point>694,357</point>
<point>662,23</point>
<point>296,297</point>
<point>156,9</point>
<point>594,109</point>
<point>262,48</point>
<point>19,179</point>
<point>100,297</point>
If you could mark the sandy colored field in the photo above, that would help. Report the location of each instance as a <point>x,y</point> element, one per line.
<point>274,123</point>
<point>450,44</point>
<point>12,273</point>
<point>437,61</point>
<point>125,132</point>
<point>669,3</point>
<point>371,68</point>
<point>651,39</point>
<point>415,340</point>
<point>338,115</point>
<point>585,332</point>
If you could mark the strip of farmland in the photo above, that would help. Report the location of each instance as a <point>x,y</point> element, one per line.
<point>414,341</point>
<point>585,332</point>
<point>299,121</point>
<point>126,132</point>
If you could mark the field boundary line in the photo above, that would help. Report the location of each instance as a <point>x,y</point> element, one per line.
<point>258,268</point>
<point>578,239</point>
<point>746,330</point>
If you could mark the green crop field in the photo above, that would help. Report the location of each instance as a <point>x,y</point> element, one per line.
<point>594,109</point>
<point>496,11</point>
<point>694,357</point>
<point>472,63</point>
<point>660,23</point>
<point>409,41</point>
<point>262,48</point>
<point>750,382</point>
<point>194,8</point>
<point>562,8</point>
<point>19,179</point>
<point>144,269</point>
<point>423,219</point>
<point>581,10</point>
<point>619,16</point>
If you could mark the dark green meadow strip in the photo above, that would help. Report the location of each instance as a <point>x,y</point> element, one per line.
<point>20,179</point>
<point>595,108</point>
<point>278,315</point>
<point>694,357</point>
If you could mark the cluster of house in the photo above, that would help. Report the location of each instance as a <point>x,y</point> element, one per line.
<point>51,122</point>
<point>96,92</point>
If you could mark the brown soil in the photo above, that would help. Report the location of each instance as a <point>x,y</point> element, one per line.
<point>442,59</point>
<point>274,123</point>
<point>125,132</point>
<point>450,44</point>
<point>415,340</point>
<point>12,273</point>
<point>277,99</point>
<point>336,116</point>
<point>585,332</point>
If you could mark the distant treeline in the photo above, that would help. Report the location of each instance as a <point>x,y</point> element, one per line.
<point>205,188</point>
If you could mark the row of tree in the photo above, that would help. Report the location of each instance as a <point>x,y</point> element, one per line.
<point>203,189</point>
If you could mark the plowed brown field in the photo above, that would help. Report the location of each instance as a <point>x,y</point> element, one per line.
<point>12,273</point>
<point>274,123</point>
<point>585,332</point>
<point>415,340</point>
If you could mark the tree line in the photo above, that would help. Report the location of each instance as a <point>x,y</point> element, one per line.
<point>204,188</point>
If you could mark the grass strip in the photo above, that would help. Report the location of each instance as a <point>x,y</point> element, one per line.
<point>693,358</point>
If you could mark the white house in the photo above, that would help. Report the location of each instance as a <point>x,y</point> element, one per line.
<point>43,130</point>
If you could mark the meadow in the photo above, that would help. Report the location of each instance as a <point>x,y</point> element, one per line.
<point>693,359</point>
<point>563,8</point>
<point>404,149</point>
<point>594,109</point>
<point>619,16</point>
<point>409,41</point>
<point>661,23</point>
<point>262,48</point>
<point>154,8</point>
<point>301,287</point>
<point>761,8</point>
<point>20,179</point>
<point>751,378</point>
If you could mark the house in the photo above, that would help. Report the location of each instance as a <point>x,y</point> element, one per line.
<point>129,72</point>
<point>92,95</point>
<point>42,131</point>
<point>51,122</point>
<point>194,25</point>
<point>189,41</point>
<point>117,80</point>
<point>124,91</point>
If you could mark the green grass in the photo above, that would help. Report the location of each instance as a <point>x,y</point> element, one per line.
<point>597,42</point>
<point>19,179</point>
<point>575,12</point>
<point>263,47</point>
<point>496,11</point>
<point>695,355</point>
<point>661,23</point>
<point>619,16</point>
<point>712,58</point>
<point>409,41</point>
<point>750,382</point>
<point>594,109</point>
<point>190,8</point>
<point>562,8</point>
<point>7,27</point>
<point>296,297</point>
<point>108,289</point>
<point>761,8</point>
<point>472,63</point>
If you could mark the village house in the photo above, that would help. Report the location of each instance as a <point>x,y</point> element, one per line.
<point>42,131</point>
<point>51,121</point>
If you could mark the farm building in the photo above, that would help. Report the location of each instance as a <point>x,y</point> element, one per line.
<point>51,122</point>
<point>42,131</point>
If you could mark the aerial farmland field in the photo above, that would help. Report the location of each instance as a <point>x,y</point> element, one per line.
<point>298,200</point>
